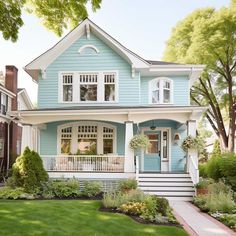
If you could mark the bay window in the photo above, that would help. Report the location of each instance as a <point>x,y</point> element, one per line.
<point>81,87</point>
<point>160,91</point>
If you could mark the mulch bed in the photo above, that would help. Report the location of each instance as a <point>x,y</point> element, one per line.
<point>137,218</point>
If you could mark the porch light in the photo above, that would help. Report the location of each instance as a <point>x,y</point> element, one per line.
<point>153,127</point>
<point>176,137</point>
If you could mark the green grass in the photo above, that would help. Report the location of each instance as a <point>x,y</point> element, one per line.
<point>71,217</point>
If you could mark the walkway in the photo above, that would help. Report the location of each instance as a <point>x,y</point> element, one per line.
<point>197,223</point>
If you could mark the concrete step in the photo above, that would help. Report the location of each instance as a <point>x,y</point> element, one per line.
<point>165,184</point>
<point>187,199</point>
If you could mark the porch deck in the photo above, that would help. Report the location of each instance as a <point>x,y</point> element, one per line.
<point>84,163</point>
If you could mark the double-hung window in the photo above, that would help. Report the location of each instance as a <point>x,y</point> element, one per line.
<point>160,91</point>
<point>67,85</point>
<point>88,87</point>
<point>3,103</point>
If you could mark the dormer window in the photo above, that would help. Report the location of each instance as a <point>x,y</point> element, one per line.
<point>160,91</point>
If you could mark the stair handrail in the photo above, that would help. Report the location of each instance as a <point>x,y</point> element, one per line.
<point>193,170</point>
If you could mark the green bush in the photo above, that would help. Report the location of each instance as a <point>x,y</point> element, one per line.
<point>216,149</point>
<point>204,183</point>
<point>92,188</point>
<point>28,171</point>
<point>229,220</point>
<point>202,170</point>
<point>213,168</point>
<point>127,184</point>
<point>61,189</point>
<point>162,205</point>
<point>218,199</point>
<point>14,193</point>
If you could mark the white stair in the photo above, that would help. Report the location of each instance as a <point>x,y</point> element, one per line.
<point>173,186</point>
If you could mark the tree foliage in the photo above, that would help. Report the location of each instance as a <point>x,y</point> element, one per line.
<point>208,36</point>
<point>56,15</point>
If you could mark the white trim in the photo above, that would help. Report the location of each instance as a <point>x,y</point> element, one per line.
<point>161,129</point>
<point>26,98</point>
<point>161,81</point>
<point>76,87</point>
<point>88,46</point>
<point>74,126</point>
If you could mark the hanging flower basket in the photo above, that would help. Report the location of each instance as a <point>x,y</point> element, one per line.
<point>192,143</point>
<point>139,141</point>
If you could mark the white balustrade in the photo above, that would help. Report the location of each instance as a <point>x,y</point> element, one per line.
<point>84,163</point>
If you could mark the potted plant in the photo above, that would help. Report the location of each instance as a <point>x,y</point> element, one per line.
<point>139,142</point>
<point>192,143</point>
<point>202,186</point>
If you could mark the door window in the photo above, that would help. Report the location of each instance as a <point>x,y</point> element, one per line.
<point>154,143</point>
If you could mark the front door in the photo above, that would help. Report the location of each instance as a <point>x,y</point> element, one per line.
<point>152,155</point>
<point>156,157</point>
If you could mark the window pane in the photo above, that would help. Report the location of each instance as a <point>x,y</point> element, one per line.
<point>166,96</point>
<point>65,146</point>
<point>155,96</point>
<point>67,92</point>
<point>165,144</point>
<point>87,146</point>
<point>109,92</point>
<point>107,146</point>
<point>167,85</point>
<point>88,92</point>
<point>153,147</point>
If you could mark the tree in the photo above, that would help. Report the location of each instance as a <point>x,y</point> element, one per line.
<point>208,36</point>
<point>56,15</point>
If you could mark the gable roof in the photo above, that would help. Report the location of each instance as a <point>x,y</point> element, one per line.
<point>39,64</point>
<point>25,96</point>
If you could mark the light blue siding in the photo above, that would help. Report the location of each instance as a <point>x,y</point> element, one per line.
<point>72,60</point>
<point>180,90</point>
<point>48,138</point>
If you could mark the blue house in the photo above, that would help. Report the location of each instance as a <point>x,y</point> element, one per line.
<point>94,95</point>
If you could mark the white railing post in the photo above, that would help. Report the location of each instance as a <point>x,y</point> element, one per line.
<point>137,167</point>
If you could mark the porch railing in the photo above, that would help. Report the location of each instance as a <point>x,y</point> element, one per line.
<point>193,170</point>
<point>84,163</point>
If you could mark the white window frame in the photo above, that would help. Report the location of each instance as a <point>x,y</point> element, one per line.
<point>161,81</point>
<point>76,87</point>
<point>74,138</point>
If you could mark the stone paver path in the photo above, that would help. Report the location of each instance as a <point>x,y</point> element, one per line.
<point>197,223</point>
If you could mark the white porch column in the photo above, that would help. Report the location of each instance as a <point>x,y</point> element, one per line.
<point>27,139</point>
<point>129,153</point>
<point>192,129</point>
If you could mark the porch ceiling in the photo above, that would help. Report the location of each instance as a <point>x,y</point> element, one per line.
<point>119,114</point>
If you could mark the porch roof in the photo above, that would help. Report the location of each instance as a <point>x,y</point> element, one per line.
<point>119,114</point>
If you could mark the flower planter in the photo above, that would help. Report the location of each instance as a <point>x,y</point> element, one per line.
<point>202,191</point>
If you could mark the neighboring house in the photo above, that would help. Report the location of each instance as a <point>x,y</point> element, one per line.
<point>11,99</point>
<point>94,95</point>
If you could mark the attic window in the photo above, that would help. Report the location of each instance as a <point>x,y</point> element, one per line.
<point>81,49</point>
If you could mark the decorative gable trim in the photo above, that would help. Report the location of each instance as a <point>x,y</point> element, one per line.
<point>88,46</point>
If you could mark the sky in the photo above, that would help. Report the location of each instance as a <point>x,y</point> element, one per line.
<point>142,26</point>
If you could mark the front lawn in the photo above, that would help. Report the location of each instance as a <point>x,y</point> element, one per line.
<point>71,217</point>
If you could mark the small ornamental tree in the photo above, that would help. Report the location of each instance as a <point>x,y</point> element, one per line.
<point>216,149</point>
<point>28,171</point>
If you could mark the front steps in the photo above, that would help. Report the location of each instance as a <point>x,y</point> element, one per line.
<point>173,186</point>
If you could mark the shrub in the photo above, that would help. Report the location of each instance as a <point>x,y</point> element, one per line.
<point>229,220</point>
<point>28,171</point>
<point>204,183</point>
<point>14,193</point>
<point>216,149</point>
<point>116,199</point>
<point>133,208</point>
<point>127,184</point>
<point>92,188</point>
<point>213,168</point>
<point>162,205</point>
<point>61,189</point>
<point>202,170</point>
